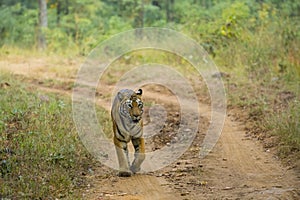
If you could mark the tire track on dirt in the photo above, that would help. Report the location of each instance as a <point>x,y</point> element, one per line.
<point>246,170</point>
<point>138,187</point>
<point>237,168</point>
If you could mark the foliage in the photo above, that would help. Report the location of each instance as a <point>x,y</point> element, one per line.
<point>288,129</point>
<point>80,25</point>
<point>12,28</point>
<point>40,153</point>
<point>256,42</point>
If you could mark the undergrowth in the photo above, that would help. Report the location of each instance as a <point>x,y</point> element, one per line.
<point>286,125</point>
<point>41,156</point>
<point>264,81</point>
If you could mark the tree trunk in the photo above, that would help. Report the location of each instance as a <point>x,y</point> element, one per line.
<point>62,8</point>
<point>139,20</point>
<point>120,8</point>
<point>58,11</point>
<point>67,7</point>
<point>142,14</point>
<point>169,10</point>
<point>43,24</point>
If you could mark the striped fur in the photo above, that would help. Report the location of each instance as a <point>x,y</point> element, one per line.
<point>126,113</point>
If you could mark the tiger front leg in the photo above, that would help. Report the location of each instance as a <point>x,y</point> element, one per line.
<point>139,154</point>
<point>122,154</point>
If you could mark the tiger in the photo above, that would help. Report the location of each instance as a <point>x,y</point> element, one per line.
<point>126,114</point>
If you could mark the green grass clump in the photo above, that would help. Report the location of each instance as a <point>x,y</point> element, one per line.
<point>286,125</point>
<point>41,156</point>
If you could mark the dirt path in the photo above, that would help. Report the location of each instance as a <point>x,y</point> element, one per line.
<point>139,187</point>
<point>240,168</point>
<point>237,168</point>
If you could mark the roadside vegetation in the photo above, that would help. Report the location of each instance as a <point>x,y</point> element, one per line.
<point>255,43</point>
<point>41,155</point>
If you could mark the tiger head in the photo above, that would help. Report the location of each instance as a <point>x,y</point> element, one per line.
<point>135,106</point>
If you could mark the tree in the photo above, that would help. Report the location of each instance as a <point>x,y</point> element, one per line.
<point>61,7</point>
<point>139,18</point>
<point>43,24</point>
<point>169,10</point>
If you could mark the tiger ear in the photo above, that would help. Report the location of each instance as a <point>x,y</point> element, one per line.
<point>139,92</point>
<point>120,95</point>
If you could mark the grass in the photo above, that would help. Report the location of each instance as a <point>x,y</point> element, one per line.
<point>264,83</point>
<point>260,70</point>
<point>41,156</point>
<point>144,57</point>
<point>286,125</point>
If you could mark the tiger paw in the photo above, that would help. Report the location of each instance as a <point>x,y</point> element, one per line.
<point>124,173</point>
<point>135,169</point>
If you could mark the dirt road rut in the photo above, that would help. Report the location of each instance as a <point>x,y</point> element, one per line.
<point>237,168</point>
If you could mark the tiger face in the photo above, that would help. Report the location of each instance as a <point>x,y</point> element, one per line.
<point>135,106</point>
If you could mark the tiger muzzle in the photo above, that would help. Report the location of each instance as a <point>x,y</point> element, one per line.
<point>136,119</point>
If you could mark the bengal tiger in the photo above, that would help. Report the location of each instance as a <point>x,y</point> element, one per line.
<point>126,113</point>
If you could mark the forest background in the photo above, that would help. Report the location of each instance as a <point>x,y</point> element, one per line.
<point>255,43</point>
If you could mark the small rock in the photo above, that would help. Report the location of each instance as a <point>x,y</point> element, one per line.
<point>181,174</point>
<point>188,162</point>
<point>101,194</point>
<point>122,194</point>
<point>174,140</point>
<point>203,183</point>
<point>90,171</point>
<point>228,188</point>
<point>166,174</point>
<point>184,193</point>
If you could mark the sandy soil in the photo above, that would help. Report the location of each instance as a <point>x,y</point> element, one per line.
<point>237,168</point>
